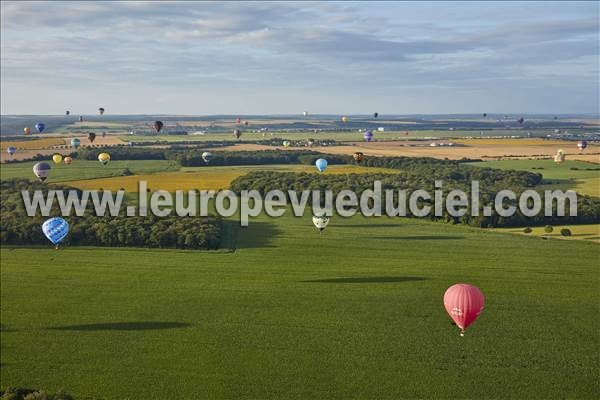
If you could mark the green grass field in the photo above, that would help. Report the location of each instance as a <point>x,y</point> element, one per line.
<point>355,312</point>
<point>589,232</point>
<point>585,180</point>
<point>83,169</point>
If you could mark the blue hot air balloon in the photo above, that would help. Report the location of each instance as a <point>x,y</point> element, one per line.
<point>75,143</point>
<point>11,150</point>
<point>368,136</point>
<point>321,164</point>
<point>40,126</point>
<point>55,229</point>
<point>42,170</point>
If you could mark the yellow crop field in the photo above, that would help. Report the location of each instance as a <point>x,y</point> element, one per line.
<point>207,178</point>
<point>513,142</point>
<point>589,233</point>
<point>44,143</point>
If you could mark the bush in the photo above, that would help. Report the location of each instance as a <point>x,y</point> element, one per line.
<point>548,229</point>
<point>565,232</point>
<point>527,230</point>
<point>32,394</point>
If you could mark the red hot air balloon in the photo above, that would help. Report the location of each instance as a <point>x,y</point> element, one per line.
<point>463,303</point>
<point>238,120</point>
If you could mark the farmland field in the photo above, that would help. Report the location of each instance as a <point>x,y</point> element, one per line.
<point>580,176</point>
<point>43,143</point>
<point>353,312</point>
<point>579,232</point>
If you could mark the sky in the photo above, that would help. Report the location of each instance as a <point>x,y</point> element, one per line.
<point>286,57</point>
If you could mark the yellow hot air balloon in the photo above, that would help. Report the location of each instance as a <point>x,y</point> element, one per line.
<point>104,158</point>
<point>27,130</point>
<point>57,158</point>
<point>67,160</point>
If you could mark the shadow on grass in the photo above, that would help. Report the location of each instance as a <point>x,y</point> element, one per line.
<point>122,326</point>
<point>256,235</point>
<point>424,237</point>
<point>369,279</point>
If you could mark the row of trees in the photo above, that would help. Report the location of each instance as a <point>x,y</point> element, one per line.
<point>151,231</point>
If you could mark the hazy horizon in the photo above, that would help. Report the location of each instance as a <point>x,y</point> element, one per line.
<point>283,58</point>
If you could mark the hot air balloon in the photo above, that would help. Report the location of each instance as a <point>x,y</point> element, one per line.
<point>358,156</point>
<point>237,133</point>
<point>521,120</point>
<point>11,150</point>
<point>320,221</point>
<point>67,112</point>
<point>75,143</point>
<point>207,156</point>
<point>305,113</point>
<point>582,144</point>
<point>104,158</point>
<point>321,164</point>
<point>101,110</point>
<point>55,229</point>
<point>559,157</point>
<point>484,115</point>
<point>42,170</point>
<point>375,115</point>
<point>57,158</point>
<point>555,117</point>
<point>26,130</point>
<point>91,136</point>
<point>80,118</point>
<point>238,120</point>
<point>158,125</point>
<point>103,133</point>
<point>344,119</point>
<point>245,123</point>
<point>463,303</point>
<point>368,135</point>
<point>40,126</point>
<point>286,143</point>
<point>67,160</point>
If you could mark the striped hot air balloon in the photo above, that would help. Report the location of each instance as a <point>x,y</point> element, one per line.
<point>55,229</point>
<point>42,170</point>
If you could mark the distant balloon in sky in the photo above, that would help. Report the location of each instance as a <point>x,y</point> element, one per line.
<point>321,164</point>
<point>344,119</point>
<point>158,125</point>
<point>57,158</point>
<point>26,130</point>
<point>463,303</point>
<point>358,156</point>
<point>286,143</point>
<point>42,170</point>
<point>559,157</point>
<point>101,110</point>
<point>368,136</point>
<point>80,118</point>
<point>91,136</point>
<point>237,133</point>
<point>55,229</point>
<point>40,126</point>
<point>207,156</point>
<point>521,120</point>
<point>238,120</point>
<point>484,115</point>
<point>582,144</point>
<point>75,143</point>
<point>375,115</point>
<point>305,113</point>
<point>11,150</point>
<point>104,158</point>
<point>68,160</point>
<point>67,112</point>
<point>245,123</point>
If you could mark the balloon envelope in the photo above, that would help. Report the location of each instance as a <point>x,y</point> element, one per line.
<point>67,160</point>
<point>75,143</point>
<point>11,150</point>
<point>206,156</point>
<point>158,125</point>
<point>237,133</point>
<point>463,303</point>
<point>358,156</point>
<point>40,126</point>
<point>320,221</point>
<point>67,112</point>
<point>321,164</point>
<point>286,143</point>
<point>582,144</point>
<point>375,115</point>
<point>42,170</point>
<point>368,135</point>
<point>101,110</point>
<point>26,130</point>
<point>55,229</point>
<point>91,136</point>
<point>104,158</point>
<point>57,158</point>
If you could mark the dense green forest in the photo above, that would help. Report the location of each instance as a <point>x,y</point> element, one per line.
<point>151,231</point>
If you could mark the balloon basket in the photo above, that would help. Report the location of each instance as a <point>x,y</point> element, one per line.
<point>462,333</point>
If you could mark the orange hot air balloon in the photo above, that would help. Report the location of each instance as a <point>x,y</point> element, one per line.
<point>26,130</point>
<point>67,160</point>
<point>358,156</point>
<point>463,303</point>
